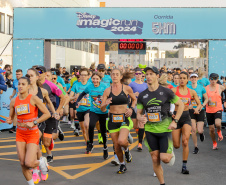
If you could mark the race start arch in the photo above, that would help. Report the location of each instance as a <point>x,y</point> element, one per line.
<point>35,27</point>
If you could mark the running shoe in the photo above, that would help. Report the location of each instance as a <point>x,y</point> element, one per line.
<point>35,178</point>
<point>128,156</point>
<point>43,166</point>
<point>72,126</point>
<point>100,138</point>
<point>69,122</point>
<point>215,146</point>
<point>43,149</point>
<point>139,147</point>
<point>51,145</point>
<point>130,138</point>
<point>115,161</point>
<point>89,148</point>
<point>185,171</point>
<point>202,137</point>
<point>172,160</point>
<point>76,132</point>
<point>122,169</point>
<point>105,153</point>
<point>44,177</point>
<point>13,130</point>
<point>220,136</point>
<point>49,158</point>
<point>196,150</point>
<point>61,133</point>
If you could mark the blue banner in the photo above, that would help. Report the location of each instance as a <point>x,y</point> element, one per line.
<point>4,109</point>
<point>119,23</point>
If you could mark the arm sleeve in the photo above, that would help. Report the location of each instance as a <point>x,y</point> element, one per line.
<point>139,102</point>
<point>80,97</point>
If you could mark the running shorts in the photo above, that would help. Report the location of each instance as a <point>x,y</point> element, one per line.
<point>197,117</point>
<point>134,115</point>
<point>81,115</point>
<point>116,122</point>
<point>184,119</point>
<point>159,141</point>
<point>42,126</point>
<point>72,105</point>
<point>51,124</point>
<point>24,134</point>
<point>212,116</point>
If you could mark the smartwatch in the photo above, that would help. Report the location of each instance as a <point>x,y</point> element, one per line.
<point>35,122</point>
<point>176,121</point>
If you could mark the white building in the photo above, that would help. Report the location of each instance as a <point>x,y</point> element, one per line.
<point>124,59</point>
<point>63,53</point>
<point>187,58</point>
<point>151,55</point>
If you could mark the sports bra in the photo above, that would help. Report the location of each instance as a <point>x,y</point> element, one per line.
<point>25,111</point>
<point>184,98</point>
<point>121,99</point>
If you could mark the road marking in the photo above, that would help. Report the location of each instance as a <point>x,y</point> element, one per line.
<point>91,167</point>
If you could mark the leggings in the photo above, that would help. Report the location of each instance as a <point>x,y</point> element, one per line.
<point>140,135</point>
<point>93,117</point>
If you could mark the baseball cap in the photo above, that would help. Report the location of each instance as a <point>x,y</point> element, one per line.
<point>1,70</point>
<point>43,69</point>
<point>214,75</point>
<point>194,74</point>
<point>100,66</point>
<point>138,69</point>
<point>153,68</point>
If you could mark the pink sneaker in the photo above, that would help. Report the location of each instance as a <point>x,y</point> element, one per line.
<point>44,177</point>
<point>36,178</point>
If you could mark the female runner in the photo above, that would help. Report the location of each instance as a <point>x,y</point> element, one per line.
<point>26,107</point>
<point>184,123</point>
<point>119,122</point>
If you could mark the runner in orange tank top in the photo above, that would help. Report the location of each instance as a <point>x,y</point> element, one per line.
<point>26,107</point>
<point>184,123</point>
<point>214,108</point>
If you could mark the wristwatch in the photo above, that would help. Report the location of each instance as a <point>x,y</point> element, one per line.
<point>35,122</point>
<point>176,120</point>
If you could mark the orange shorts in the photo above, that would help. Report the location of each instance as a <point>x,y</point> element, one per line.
<point>27,135</point>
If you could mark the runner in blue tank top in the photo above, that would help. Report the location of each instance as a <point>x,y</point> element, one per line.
<point>197,119</point>
<point>95,91</point>
<point>84,108</point>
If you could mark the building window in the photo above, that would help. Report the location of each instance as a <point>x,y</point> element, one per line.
<point>96,49</point>
<point>9,25</point>
<point>175,62</point>
<point>2,23</point>
<point>172,62</point>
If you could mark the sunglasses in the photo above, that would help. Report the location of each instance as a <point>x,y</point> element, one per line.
<point>40,71</point>
<point>53,78</point>
<point>142,76</point>
<point>101,70</point>
<point>213,78</point>
<point>138,73</point>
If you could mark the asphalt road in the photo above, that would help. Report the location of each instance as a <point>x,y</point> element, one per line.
<point>72,166</point>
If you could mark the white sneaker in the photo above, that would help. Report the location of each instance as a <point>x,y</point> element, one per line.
<point>154,174</point>
<point>43,166</point>
<point>69,122</point>
<point>172,160</point>
<point>130,138</point>
<point>73,126</point>
<point>115,161</point>
<point>64,119</point>
<point>76,132</point>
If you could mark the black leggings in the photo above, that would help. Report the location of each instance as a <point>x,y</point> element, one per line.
<point>140,135</point>
<point>93,118</point>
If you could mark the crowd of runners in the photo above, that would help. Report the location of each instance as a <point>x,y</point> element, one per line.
<point>164,107</point>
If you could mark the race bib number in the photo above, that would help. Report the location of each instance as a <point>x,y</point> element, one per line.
<point>22,109</point>
<point>84,102</point>
<point>117,118</point>
<point>154,117</point>
<point>185,100</point>
<point>194,103</point>
<point>213,104</point>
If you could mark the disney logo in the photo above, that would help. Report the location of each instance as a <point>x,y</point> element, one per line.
<point>85,15</point>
